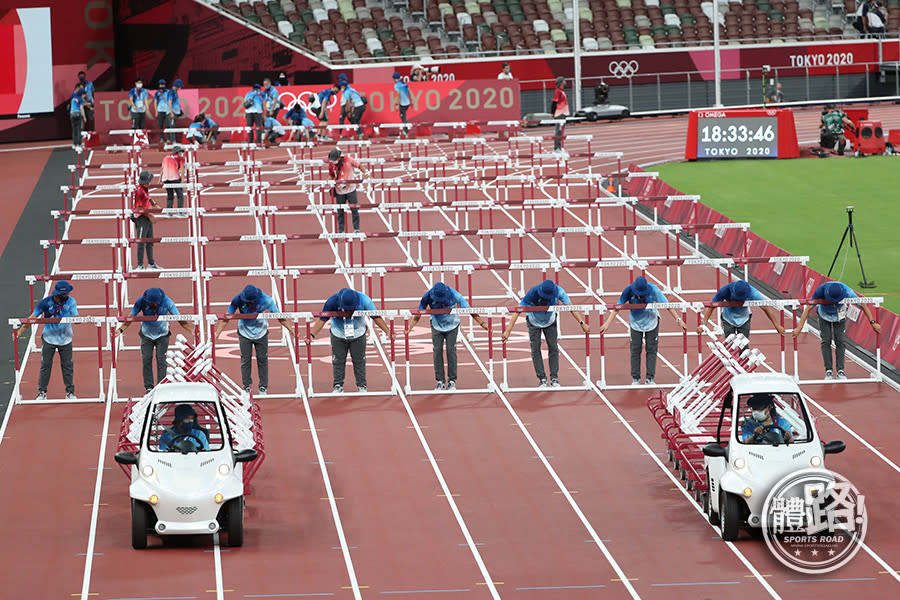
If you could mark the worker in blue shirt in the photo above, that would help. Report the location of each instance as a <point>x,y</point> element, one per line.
<point>833,323</point>
<point>546,293</point>
<point>154,334</point>
<point>76,113</point>
<point>402,103</point>
<point>195,133</point>
<point>353,106</point>
<point>56,337</point>
<point>176,111</point>
<point>271,102</point>
<point>765,425</point>
<point>274,130</point>
<point>299,118</point>
<point>348,334</point>
<point>253,333</point>
<point>736,319</point>
<point>444,329</point>
<point>138,99</point>
<point>324,99</point>
<point>253,113</point>
<point>643,324</point>
<point>186,427</point>
<point>161,98</point>
<point>88,100</point>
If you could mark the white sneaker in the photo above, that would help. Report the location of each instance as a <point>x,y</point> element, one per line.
<point>542,383</point>
<point>649,381</point>
<point>439,385</point>
<point>338,389</point>
<point>841,375</point>
<point>829,374</point>
<point>362,389</point>
<point>139,268</point>
<point>635,381</point>
<point>451,385</point>
<point>554,382</point>
<point>71,396</point>
<point>41,395</point>
<point>155,267</point>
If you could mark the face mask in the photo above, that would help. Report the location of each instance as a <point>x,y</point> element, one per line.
<point>81,78</point>
<point>760,415</point>
<point>186,425</point>
<point>139,85</point>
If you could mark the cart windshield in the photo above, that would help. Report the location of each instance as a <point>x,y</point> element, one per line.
<point>773,418</point>
<point>185,427</point>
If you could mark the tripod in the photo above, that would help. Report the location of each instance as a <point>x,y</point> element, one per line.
<point>849,229</point>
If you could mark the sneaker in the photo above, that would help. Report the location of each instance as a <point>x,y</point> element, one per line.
<point>362,389</point>
<point>148,390</point>
<point>841,375</point>
<point>154,266</point>
<point>338,389</point>
<point>71,396</point>
<point>635,381</point>
<point>451,385</point>
<point>139,268</point>
<point>829,374</point>
<point>42,395</point>
<point>649,381</point>
<point>263,389</point>
<point>439,385</point>
<point>554,382</point>
<point>542,383</point>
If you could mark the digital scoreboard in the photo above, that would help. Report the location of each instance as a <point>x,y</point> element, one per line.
<point>741,134</point>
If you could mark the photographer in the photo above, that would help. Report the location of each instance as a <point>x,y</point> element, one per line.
<point>832,129</point>
<point>775,95</point>
<point>875,19</point>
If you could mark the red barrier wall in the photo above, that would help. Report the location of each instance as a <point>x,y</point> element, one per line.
<point>791,279</point>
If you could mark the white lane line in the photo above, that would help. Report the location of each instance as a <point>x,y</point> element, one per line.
<point>95,508</point>
<point>217,562</point>
<point>27,148</point>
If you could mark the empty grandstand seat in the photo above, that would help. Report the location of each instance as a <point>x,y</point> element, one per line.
<point>590,44</point>
<point>285,28</point>
<point>463,18</point>
<point>541,25</point>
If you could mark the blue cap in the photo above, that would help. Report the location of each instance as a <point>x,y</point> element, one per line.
<point>640,286</point>
<point>62,287</point>
<point>154,295</point>
<point>740,291</point>
<point>442,293</point>
<point>161,82</point>
<point>348,299</point>
<point>251,293</point>
<point>834,292</point>
<point>256,86</point>
<point>547,290</point>
<point>178,83</point>
<point>342,77</point>
<point>397,75</point>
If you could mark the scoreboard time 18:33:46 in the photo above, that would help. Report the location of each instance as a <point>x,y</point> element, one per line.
<point>737,137</point>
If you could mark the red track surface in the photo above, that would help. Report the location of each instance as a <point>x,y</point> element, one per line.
<point>563,493</point>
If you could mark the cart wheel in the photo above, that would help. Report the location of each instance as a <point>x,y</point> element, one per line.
<point>730,507</point>
<point>140,521</point>
<point>234,518</point>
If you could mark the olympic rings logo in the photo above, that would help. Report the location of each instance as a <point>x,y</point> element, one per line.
<point>289,99</point>
<point>621,69</point>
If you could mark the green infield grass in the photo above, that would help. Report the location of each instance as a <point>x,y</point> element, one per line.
<point>800,205</point>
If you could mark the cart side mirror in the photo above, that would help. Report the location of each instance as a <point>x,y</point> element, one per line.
<point>715,451</point>
<point>834,447</point>
<point>247,455</point>
<point>126,458</point>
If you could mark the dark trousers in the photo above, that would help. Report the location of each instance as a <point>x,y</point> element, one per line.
<point>833,331</point>
<point>88,118</point>
<point>149,347</point>
<point>438,338</point>
<point>262,359</point>
<point>651,340</point>
<point>403,109</point>
<point>354,211</point>
<point>138,119</point>
<point>551,335</point>
<point>173,122</point>
<point>272,136</point>
<point>172,192</point>
<point>77,126</point>
<point>557,138</point>
<point>255,120</point>
<point>65,363</point>
<point>162,121</point>
<point>357,349</point>
<point>143,227</point>
<point>728,329</point>
<point>356,117</point>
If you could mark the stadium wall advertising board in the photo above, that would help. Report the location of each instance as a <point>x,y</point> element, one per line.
<point>430,102</point>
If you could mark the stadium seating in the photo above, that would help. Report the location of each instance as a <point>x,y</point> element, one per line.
<point>353,30</point>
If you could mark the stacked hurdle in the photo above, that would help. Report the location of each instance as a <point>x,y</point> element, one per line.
<point>689,415</point>
<point>187,363</point>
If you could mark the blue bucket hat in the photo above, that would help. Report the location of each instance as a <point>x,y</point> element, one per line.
<point>256,86</point>
<point>342,77</point>
<point>397,75</point>
<point>154,295</point>
<point>834,292</point>
<point>760,401</point>
<point>640,286</point>
<point>441,293</point>
<point>547,290</point>
<point>62,287</point>
<point>178,83</point>
<point>161,82</point>
<point>251,293</point>
<point>348,299</point>
<point>740,291</point>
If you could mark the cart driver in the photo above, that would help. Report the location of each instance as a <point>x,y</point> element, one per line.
<point>184,427</point>
<point>765,425</point>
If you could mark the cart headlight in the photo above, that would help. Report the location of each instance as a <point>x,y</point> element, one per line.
<point>740,464</point>
<point>224,469</point>
<point>154,499</point>
<point>147,471</point>
<point>748,492</point>
<point>815,461</point>
<point>219,497</point>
